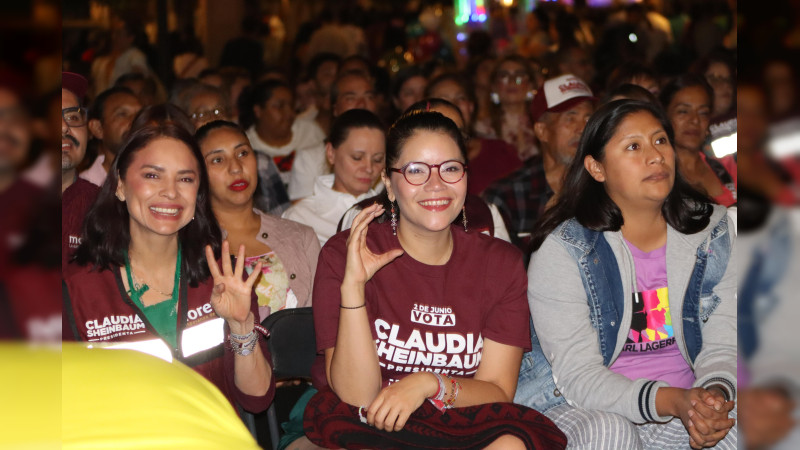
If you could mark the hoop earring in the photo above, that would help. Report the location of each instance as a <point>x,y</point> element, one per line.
<point>529,95</point>
<point>394,221</point>
<point>495,98</point>
<point>464,217</point>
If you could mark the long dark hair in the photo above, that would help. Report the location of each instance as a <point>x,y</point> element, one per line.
<point>586,199</point>
<point>106,229</point>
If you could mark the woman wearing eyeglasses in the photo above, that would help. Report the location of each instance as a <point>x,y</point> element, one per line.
<point>422,323</point>
<point>204,103</point>
<point>513,88</point>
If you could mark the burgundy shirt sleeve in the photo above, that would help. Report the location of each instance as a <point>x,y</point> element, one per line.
<point>507,320</point>
<point>327,294</point>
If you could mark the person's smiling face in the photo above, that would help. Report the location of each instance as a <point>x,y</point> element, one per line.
<point>160,187</point>
<point>433,205</point>
<point>73,137</point>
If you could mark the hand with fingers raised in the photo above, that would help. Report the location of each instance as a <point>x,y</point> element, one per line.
<point>231,296</point>
<point>362,263</point>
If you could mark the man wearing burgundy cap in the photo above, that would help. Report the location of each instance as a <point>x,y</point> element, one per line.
<point>77,194</point>
<point>559,111</point>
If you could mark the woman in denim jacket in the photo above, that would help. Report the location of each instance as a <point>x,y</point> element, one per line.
<point>638,368</point>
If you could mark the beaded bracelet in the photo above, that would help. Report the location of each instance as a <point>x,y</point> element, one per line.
<point>438,398</point>
<point>244,344</point>
<point>246,337</point>
<point>243,348</point>
<point>456,388</point>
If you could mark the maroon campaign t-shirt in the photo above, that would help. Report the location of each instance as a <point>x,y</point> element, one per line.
<point>75,203</point>
<point>432,318</point>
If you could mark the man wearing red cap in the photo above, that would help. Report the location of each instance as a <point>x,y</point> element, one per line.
<point>77,193</point>
<point>559,111</point>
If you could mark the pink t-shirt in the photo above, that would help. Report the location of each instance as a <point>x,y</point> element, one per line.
<point>651,351</point>
<point>432,318</point>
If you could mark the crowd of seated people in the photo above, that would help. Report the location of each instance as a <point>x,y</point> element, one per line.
<point>532,248</point>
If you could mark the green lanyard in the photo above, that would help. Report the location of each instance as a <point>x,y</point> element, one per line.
<point>163,316</point>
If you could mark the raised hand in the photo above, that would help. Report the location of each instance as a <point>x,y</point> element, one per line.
<point>362,263</point>
<point>231,295</point>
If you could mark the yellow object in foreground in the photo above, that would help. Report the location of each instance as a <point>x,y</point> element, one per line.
<point>30,380</point>
<point>126,399</point>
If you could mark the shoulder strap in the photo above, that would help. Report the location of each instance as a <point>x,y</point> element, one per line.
<point>719,170</point>
<point>69,316</point>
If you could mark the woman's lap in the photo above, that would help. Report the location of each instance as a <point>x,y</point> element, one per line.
<point>592,429</point>
<point>330,422</point>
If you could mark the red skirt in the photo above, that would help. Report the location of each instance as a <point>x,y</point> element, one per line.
<point>331,423</point>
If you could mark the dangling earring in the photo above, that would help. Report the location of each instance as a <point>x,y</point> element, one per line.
<point>529,95</point>
<point>495,98</point>
<point>464,217</point>
<point>394,221</point>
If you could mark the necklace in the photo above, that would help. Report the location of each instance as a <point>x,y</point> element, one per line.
<point>137,290</point>
<point>144,287</point>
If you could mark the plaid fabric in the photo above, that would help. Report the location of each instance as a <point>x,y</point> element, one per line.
<point>332,423</point>
<point>270,195</point>
<point>521,197</point>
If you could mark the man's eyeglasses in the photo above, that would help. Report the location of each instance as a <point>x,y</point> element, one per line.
<point>418,173</point>
<point>75,116</point>
<point>209,114</point>
<point>512,77</point>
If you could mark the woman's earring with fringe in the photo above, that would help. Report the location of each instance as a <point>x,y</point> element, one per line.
<point>394,221</point>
